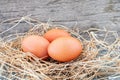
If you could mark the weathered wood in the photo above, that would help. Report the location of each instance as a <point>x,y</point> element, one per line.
<point>86,13</point>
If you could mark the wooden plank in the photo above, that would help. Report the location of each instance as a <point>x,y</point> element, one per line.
<point>86,13</point>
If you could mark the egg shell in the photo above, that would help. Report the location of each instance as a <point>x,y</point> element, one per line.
<point>65,49</point>
<point>55,33</point>
<point>35,44</point>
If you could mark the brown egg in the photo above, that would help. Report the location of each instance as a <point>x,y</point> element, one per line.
<point>65,49</point>
<point>35,44</point>
<point>55,33</point>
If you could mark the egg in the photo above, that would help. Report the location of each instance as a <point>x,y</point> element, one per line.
<point>35,44</point>
<point>55,33</point>
<point>65,49</point>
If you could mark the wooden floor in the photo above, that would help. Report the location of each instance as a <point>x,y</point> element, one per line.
<point>86,13</point>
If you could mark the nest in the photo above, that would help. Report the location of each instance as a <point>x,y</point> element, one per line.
<point>100,58</point>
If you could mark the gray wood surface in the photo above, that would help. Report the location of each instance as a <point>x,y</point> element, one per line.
<point>86,13</point>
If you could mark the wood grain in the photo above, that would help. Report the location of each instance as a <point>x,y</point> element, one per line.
<point>86,13</point>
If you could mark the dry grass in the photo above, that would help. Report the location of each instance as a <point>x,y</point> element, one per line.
<point>100,58</point>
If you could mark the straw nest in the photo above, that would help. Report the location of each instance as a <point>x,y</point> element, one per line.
<point>100,58</point>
